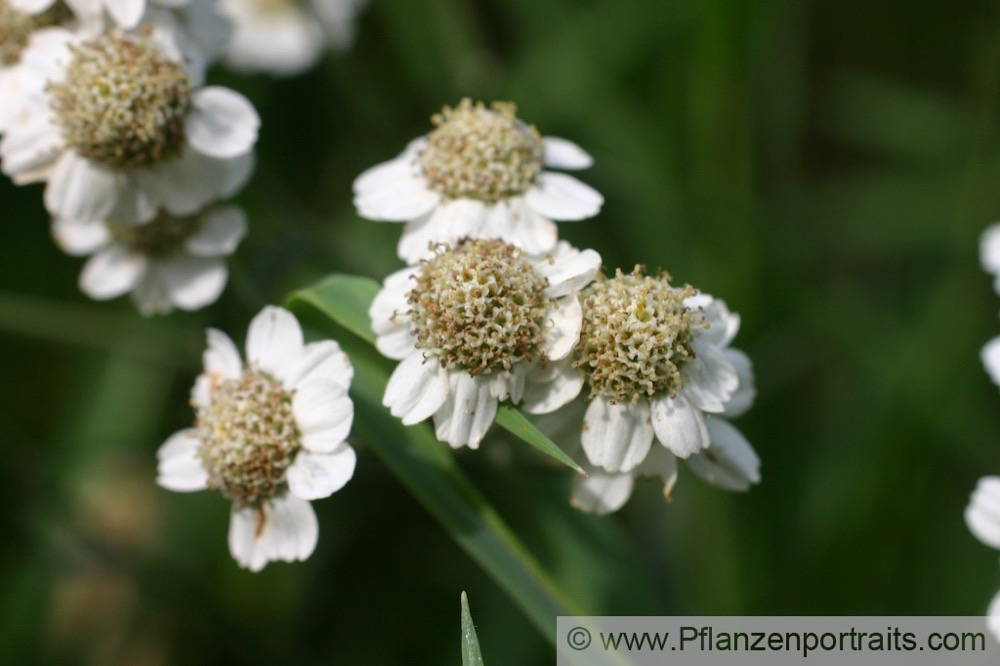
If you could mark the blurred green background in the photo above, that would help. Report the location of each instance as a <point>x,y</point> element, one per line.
<point>824,167</point>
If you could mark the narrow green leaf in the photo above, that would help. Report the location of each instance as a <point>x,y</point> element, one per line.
<point>343,298</point>
<point>516,423</point>
<point>471,655</point>
<point>346,298</point>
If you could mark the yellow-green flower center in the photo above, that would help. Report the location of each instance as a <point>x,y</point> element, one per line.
<point>161,237</point>
<point>16,28</point>
<point>479,153</point>
<point>122,103</point>
<point>479,306</point>
<point>249,438</point>
<point>636,336</point>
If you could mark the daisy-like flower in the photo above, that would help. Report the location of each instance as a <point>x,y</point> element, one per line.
<point>481,174</point>
<point>270,435</point>
<point>286,37</point>
<point>983,518</point>
<point>119,127</point>
<point>16,27</point>
<point>477,323</point>
<point>989,256</point>
<point>657,359</point>
<point>166,263</point>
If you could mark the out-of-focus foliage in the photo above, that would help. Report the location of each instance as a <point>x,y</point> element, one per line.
<point>826,168</point>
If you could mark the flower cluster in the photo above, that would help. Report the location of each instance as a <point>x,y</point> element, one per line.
<point>105,102</point>
<point>493,307</point>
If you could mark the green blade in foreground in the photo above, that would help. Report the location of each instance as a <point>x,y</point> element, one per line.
<point>471,655</point>
<point>516,423</point>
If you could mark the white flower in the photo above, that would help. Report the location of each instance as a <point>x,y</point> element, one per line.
<point>657,359</point>
<point>478,323</point>
<point>118,127</point>
<point>166,263</point>
<point>16,28</point>
<point>983,518</point>
<point>479,174</point>
<point>270,435</point>
<point>286,37</point>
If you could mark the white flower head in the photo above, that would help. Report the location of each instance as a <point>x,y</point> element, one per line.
<point>286,37</point>
<point>16,28</point>
<point>481,173</point>
<point>983,518</point>
<point>480,322</point>
<point>270,435</point>
<point>118,125</point>
<point>657,359</point>
<point>169,262</point>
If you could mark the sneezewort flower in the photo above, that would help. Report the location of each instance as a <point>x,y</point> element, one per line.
<point>477,323</point>
<point>120,126</point>
<point>480,173</point>
<point>270,435</point>
<point>656,359</point>
<point>286,37</point>
<point>983,518</point>
<point>171,261</point>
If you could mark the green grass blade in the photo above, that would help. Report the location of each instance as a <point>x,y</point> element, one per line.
<point>516,423</point>
<point>471,655</point>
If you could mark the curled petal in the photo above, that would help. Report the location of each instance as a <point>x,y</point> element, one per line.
<point>558,196</point>
<point>222,123</point>
<point>729,462</point>
<point>468,412</point>
<point>679,426</point>
<point>416,389</point>
<point>616,437</point>
<point>983,513</point>
<point>178,467</point>
<point>564,154</point>
<point>274,340</point>
<point>601,492</point>
<point>316,475</point>
<point>282,529</point>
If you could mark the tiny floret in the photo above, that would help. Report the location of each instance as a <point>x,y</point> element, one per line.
<point>122,103</point>
<point>249,438</point>
<point>479,307</point>
<point>481,153</point>
<point>637,335</point>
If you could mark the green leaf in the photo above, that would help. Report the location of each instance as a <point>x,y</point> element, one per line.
<point>471,655</point>
<point>346,298</point>
<point>343,298</point>
<point>425,466</point>
<point>516,423</point>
